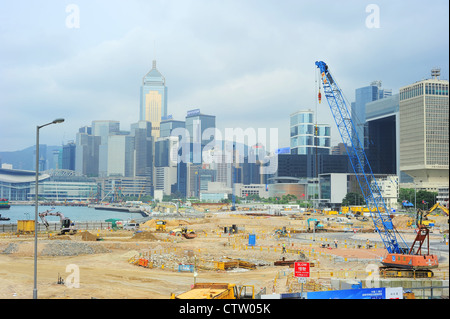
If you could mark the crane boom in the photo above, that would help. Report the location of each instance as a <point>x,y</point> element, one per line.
<point>392,240</point>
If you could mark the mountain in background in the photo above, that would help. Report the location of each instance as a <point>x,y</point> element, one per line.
<point>26,158</point>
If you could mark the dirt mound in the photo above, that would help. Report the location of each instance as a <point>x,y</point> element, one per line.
<point>170,222</point>
<point>401,221</point>
<point>144,235</point>
<point>87,236</point>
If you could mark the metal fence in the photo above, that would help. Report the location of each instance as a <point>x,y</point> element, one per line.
<point>88,225</point>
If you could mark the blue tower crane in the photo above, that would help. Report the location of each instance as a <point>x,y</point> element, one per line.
<point>392,240</point>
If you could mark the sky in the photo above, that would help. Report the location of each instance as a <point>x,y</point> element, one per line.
<point>248,62</point>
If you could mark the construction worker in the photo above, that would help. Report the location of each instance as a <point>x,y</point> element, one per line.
<point>368,243</point>
<point>335,243</point>
<point>284,248</point>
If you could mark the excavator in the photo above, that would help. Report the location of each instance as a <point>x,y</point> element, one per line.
<point>438,205</point>
<point>401,260</point>
<point>66,224</point>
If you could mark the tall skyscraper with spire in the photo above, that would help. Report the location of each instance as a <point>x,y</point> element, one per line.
<point>153,99</point>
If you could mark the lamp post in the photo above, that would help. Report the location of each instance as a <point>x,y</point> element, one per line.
<point>36,203</point>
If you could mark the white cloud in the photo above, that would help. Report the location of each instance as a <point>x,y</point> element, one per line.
<point>249,63</point>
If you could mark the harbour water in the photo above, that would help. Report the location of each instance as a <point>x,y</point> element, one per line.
<point>75,213</point>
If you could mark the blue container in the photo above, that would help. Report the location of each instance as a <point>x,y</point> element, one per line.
<point>251,239</point>
<point>184,268</point>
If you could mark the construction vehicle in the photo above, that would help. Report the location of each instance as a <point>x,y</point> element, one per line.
<point>67,226</point>
<point>315,226</point>
<point>281,232</point>
<point>421,218</point>
<point>161,225</point>
<point>438,205</point>
<point>217,291</point>
<point>183,231</point>
<point>401,260</point>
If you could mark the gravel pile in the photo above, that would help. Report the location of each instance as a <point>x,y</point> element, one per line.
<point>169,260</point>
<point>70,248</point>
<point>12,248</point>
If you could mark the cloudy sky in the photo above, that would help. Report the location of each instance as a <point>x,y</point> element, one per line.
<point>249,62</point>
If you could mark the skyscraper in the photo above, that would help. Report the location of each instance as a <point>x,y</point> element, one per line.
<point>304,138</point>
<point>169,124</point>
<point>68,156</point>
<point>382,117</point>
<point>424,142</point>
<point>153,99</point>
<point>363,96</point>
<point>87,152</point>
<point>143,147</point>
<point>103,129</point>
<point>120,155</point>
<point>197,123</point>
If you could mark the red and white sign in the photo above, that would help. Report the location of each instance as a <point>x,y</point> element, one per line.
<point>301,269</point>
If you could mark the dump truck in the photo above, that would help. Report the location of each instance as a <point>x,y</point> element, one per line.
<point>161,225</point>
<point>217,291</point>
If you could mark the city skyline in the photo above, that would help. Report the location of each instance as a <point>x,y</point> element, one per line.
<point>250,64</point>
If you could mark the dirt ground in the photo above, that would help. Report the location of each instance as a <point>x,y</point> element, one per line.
<point>104,268</point>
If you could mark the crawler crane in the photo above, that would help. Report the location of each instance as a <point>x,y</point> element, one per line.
<point>401,260</point>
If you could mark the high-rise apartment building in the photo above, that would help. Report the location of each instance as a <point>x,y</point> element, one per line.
<point>424,143</point>
<point>153,99</point>
<point>305,138</point>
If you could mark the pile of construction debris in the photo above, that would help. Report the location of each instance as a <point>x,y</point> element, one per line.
<point>71,248</point>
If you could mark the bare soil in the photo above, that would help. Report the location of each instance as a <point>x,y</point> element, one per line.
<point>103,260</point>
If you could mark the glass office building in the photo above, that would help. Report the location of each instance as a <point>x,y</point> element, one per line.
<point>153,104</point>
<point>305,137</point>
<point>364,95</point>
<point>168,125</point>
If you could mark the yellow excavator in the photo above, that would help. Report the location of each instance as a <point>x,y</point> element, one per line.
<point>438,205</point>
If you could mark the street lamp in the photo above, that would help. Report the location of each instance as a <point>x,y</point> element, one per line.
<point>36,203</point>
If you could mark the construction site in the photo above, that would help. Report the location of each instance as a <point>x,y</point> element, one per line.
<point>256,250</point>
<point>221,251</point>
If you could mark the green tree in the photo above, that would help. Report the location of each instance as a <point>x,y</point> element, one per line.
<point>424,199</point>
<point>353,199</point>
<point>406,194</point>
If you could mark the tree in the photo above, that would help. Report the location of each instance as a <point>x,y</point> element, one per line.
<point>424,199</point>
<point>406,194</point>
<point>353,199</point>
